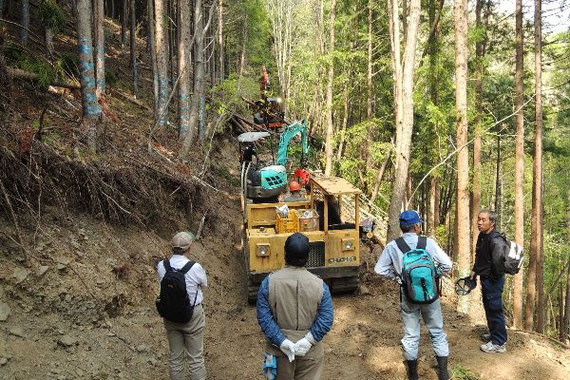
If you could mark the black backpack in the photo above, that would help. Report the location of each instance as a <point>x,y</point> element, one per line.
<point>173,303</point>
<point>512,256</point>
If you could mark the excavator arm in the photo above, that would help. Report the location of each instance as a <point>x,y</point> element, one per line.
<point>286,137</point>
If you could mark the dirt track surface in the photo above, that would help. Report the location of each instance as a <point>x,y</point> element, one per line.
<point>82,318</point>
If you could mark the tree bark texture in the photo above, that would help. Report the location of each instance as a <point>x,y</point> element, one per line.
<point>538,206</point>
<point>380,176</point>
<point>220,35</point>
<point>184,57</point>
<point>152,50</point>
<point>519,165</point>
<point>134,66</point>
<point>404,84</point>
<point>91,108</point>
<point>462,222</point>
<point>25,21</point>
<point>329,105</point>
<point>199,72</point>
<point>281,16</point>
<point>124,25</point>
<point>100,47</point>
<point>48,34</point>
<point>161,46</point>
<point>370,96</point>
<point>566,320</point>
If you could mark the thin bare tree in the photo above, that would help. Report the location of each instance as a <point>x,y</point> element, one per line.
<point>329,104</point>
<point>403,73</point>
<point>519,164</point>
<point>24,21</point>
<point>99,13</point>
<point>161,47</point>
<point>537,223</point>
<point>184,59</point>
<point>462,221</point>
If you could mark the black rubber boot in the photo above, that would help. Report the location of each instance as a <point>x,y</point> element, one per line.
<point>442,372</point>
<point>412,366</point>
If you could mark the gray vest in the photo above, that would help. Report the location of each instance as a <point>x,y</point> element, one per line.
<point>295,296</point>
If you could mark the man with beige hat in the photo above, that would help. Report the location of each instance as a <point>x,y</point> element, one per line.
<point>180,305</point>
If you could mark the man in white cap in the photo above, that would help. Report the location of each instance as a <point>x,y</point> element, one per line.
<point>180,304</point>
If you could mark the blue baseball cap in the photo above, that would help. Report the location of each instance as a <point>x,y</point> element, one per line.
<point>409,217</point>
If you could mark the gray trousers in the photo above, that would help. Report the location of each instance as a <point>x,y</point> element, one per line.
<point>187,337</point>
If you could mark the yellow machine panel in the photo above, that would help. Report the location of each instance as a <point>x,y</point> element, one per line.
<point>335,244</point>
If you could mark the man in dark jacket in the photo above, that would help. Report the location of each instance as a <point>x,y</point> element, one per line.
<point>488,266</point>
<point>295,312</point>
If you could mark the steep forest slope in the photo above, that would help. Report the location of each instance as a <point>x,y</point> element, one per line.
<point>81,233</point>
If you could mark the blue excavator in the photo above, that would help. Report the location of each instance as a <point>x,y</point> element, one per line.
<point>265,183</point>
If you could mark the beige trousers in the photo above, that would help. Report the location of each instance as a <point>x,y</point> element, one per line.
<point>187,337</point>
<point>302,368</point>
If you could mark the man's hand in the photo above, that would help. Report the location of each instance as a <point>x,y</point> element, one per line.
<point>304,345</point>
<point>288,348</point>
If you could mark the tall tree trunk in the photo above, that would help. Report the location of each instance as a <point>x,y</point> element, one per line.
<point>134,66</point>
<point>341,143</point>
<point>91,108</point>
<point>243,52</point>
<point>476,198</point>
<point>161,61</point>
<point>25,21</point>
<point>560,319</point>
<point>220,34</point>
<point>184,57</point>
<point>370,98</point>
<point>152,50</point>
<point>462,222</point>
<point>403,101</point>
<point>330,126</point>
<point>566,321</point>
<point>537,204</point>
<point>519,165</point>
<point>198,107</point>
<point>498,180</point>
<point>432,206</point>
<point>199,72</point>
<point>100,47</point>
<point>380,176</point>
<point>171,39</point>
<point>124,25</point>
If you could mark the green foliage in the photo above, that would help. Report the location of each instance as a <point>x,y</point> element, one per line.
<point>69,63</point>
<point>52,15</point>
<point>462,373</point>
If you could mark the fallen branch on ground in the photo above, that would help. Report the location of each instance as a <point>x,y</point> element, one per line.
<point>25,75</point>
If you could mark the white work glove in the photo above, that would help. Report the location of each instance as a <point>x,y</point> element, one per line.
<point>288,348</point>
<point>304,345</point>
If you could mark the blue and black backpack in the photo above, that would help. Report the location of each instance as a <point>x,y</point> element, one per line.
<point>419,276</point>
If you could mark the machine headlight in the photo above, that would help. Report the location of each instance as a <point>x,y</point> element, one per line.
<point>263,250</point>
<point>348,244</point>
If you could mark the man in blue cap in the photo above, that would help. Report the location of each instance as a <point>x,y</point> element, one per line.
<point>390,266</point>
<point>295,312</point>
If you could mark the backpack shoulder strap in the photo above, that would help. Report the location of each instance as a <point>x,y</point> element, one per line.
<point>422,242</point>
<point>402,245</point>
<point>166,264</point>
<point>187,267</point>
